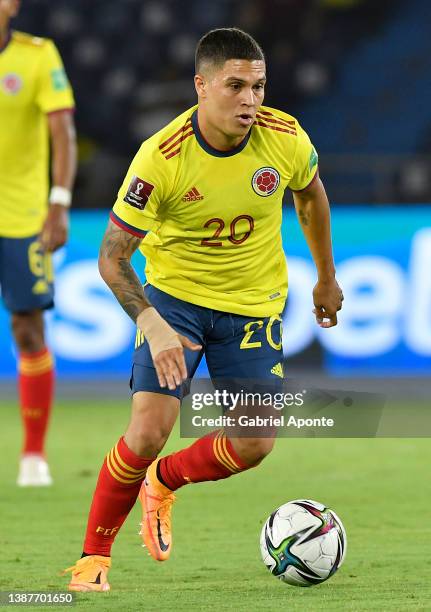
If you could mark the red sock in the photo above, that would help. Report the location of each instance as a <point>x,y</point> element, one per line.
<point>212,457</point>
<point>36,393</point>
<point>116,491</point>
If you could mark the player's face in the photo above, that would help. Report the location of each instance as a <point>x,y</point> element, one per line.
<point>232,95</point>
<point>9,8</point>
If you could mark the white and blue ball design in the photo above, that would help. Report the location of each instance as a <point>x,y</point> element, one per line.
<point>303,543</point>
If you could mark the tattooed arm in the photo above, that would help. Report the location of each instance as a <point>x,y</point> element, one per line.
<point>116,270</point>
<point>312,208</point>
<point>166,345</point>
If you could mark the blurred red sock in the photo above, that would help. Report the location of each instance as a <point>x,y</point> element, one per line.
<point>36,393</point>
<point>212,457</point>
<point>116,491</point>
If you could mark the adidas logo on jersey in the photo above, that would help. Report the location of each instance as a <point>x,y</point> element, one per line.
<point>193,196</point>
<point>278,370</point>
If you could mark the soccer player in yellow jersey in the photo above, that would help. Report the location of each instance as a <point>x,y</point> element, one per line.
<point>35,113</point>
<point>203,201</point>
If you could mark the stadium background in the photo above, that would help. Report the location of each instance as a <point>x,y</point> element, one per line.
<point>354,74</point>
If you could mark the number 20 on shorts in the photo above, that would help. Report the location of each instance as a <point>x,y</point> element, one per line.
<point>252,327</point>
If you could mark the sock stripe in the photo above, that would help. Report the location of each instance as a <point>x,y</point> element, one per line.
<point>228,455</point>
<point>120,461</point>
<point>234,468</point>
<point>116,472</point>
<point>36,362</point>
<point>223,458</point>
<point>120,471</point>
<point>35,371</point>
<point>34,367</point>
<point>219,458</point>
<point>118,478</point>
<point>220,454</point>
<point>35,357</point>
<point>113,474</point>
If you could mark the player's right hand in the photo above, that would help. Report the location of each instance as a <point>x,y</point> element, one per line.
<point>170,364</point>
<point>166,348</point>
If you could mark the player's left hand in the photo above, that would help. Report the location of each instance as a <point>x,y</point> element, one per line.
<point>55,229</point>
<point>328,299</point>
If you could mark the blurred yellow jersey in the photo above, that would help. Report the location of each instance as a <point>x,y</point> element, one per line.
<point>211,220</point>
<point>32,84</point>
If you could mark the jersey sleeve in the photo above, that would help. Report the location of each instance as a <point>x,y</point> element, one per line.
<point>144,189</point>
<point>54,91</point>
<point>305,162</point>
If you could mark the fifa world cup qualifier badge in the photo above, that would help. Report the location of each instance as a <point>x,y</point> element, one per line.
<point>265,181</point>
<point>138,193</point>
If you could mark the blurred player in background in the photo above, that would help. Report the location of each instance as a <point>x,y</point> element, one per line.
<point>36,104</point>
<point>203,200</point>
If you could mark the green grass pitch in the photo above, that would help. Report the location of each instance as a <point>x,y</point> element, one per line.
<point>379,487</point>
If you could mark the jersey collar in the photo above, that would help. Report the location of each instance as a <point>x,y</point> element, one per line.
<point>211,150</point>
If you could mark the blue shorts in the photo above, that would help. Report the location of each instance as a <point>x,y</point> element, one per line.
<point>26,275</point>
<point>235,347</point>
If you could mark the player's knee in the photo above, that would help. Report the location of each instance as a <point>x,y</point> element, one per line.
<point>28,332</point>
<point>147,432</point>
<point>148,442</point>
<point>153,417</point>
<point>253,450</point>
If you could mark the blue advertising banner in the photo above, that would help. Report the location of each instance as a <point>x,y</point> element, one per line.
<point>383,258</point>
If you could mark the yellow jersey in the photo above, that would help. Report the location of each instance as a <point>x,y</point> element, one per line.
<point>32,84</point>
<point>210,220</point>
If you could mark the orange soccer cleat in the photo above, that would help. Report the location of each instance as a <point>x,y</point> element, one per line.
<point>157,503</point>
<point>90,574</point>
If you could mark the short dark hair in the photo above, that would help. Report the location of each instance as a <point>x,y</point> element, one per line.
<point>218,46</point>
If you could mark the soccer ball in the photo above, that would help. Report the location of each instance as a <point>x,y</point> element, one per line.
<point>303,543</point>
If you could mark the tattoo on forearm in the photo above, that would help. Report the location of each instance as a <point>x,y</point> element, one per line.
<point>128,290</point>
<point>117,242</point>
<point>304,216</point>
<point>118,246</point>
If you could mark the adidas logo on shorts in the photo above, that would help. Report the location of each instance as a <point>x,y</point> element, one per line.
<point>278,370</point>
